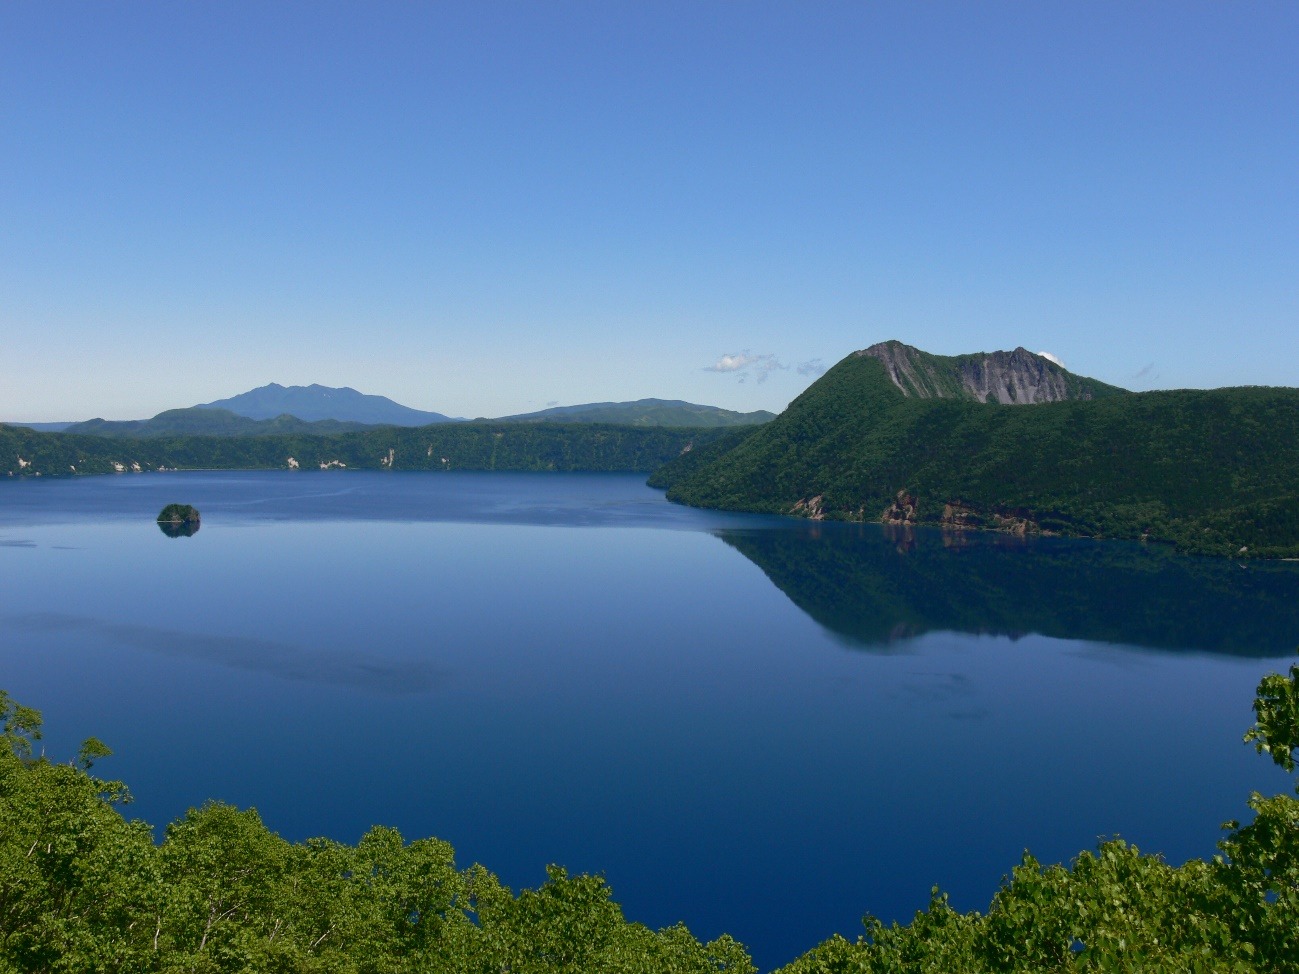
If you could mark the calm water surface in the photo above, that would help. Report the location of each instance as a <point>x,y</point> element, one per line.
<point>752,725</point>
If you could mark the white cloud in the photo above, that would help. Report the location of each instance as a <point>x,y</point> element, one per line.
<point>733,363</point>
<point>743,364</point>
<point>1052,358</point>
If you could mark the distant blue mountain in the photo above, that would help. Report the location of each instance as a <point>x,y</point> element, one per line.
<point>316,402</point>
<point>45,427</point>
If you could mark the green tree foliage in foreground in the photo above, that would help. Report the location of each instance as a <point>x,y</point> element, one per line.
<point>83,889</point>
<point>1119,910</point>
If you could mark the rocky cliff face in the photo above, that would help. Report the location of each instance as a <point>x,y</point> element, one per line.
<point>1016,377</point>
<point>1010,378</point>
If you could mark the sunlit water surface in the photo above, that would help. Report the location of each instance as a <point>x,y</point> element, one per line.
<point>752,725</point>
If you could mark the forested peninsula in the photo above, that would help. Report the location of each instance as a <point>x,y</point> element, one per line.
<point>893,435</point>
<point>84,889</point>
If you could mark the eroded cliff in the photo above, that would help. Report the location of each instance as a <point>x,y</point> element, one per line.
<point>1019,377</point>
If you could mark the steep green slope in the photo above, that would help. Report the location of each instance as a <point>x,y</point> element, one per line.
<point>1212,471</point>
<point>446,446</point>
<point>698,455</point>
<point>645,412</point>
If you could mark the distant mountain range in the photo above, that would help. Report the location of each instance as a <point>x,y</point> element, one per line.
<point>316,409</point>
<point>46,427</point>
<point>316,402</point>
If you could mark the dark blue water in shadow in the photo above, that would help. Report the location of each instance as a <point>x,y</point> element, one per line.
<point>752,725</point>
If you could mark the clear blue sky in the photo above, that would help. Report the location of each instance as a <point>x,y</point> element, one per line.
<point>482,208</point>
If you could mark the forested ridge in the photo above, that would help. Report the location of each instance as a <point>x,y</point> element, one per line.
<point>82,888</point>
<point>644,412</point>
<point>445,446</point>
<point>202,421</point>
<point>1213,471</point>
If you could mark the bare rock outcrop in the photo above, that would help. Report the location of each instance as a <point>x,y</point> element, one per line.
<point>1016,378</point>
<point>810,507</point>
<point>1019,523</point>
<point>1019,377</point>
<point>959,516</point>
<point>903,510</point>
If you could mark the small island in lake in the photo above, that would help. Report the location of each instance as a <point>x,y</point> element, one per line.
<point>179,520</point>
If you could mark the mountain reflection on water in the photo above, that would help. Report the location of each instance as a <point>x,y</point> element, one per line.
<point>874,586</point>
<point>567,668</point>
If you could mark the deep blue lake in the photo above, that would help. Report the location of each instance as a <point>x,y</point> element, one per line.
<point>759,726</point>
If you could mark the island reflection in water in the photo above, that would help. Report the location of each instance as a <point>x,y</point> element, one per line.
<point>873,587</point>
<point>179,529</point>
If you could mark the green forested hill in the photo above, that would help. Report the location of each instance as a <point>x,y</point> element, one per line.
<point>644,412</point>
<point>1212,471</point>
<point>445,446</point>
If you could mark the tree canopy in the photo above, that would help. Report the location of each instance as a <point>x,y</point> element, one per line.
<point>82,888</point>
